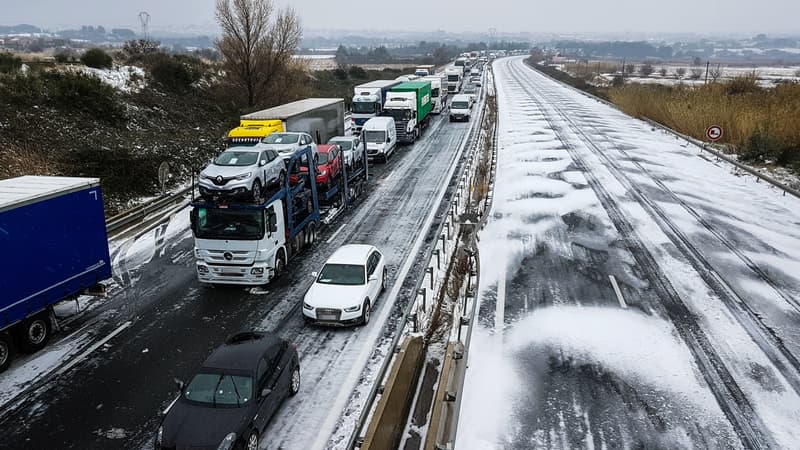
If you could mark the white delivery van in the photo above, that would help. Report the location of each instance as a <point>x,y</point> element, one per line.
<point>380,135</point>
<point>461,107</point>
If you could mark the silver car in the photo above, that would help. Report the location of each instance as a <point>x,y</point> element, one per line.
<point>243,171</point>
<point>288,142</point>
<point>352,149</point>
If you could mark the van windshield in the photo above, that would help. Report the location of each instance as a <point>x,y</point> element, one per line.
<point>459,105</point>
<point>375,136</point>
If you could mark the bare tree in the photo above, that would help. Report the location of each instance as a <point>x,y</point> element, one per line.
<point>680,72</point>
<point>663,71</point>
<point>696,73</point>
<point>715,73</point>
<point>257,44</point>
<point>646,69</point>
<point>629,69</point>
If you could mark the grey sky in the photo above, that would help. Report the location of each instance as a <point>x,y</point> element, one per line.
<point>700,16</point>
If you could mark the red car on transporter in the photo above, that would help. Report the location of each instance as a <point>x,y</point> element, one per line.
<point>329,166</point>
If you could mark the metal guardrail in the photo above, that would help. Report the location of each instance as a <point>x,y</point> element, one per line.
<point>703,145</point>
<point>354,440</point>
<point>139,213</point>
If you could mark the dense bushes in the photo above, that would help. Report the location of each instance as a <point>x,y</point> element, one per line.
<point>760,124</point>
<point>9,63</point>
<point>97,59</point>
<point>176,73</point>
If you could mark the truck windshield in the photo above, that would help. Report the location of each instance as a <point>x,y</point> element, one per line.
<point>435,92</point>
<point>452,78</point>
<point>375,136</point>
<point>234,158</point>
<point>363,107</point>
<point>281,138</point>
<point>220,223</point>
<point>398,114</point>
<point>347,274</point>
<point>219,390</point>
<point>459,105</point>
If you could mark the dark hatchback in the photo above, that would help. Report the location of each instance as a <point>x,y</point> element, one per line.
<point>231,399</point>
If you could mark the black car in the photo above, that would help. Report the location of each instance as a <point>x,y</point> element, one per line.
<point>232,397</point>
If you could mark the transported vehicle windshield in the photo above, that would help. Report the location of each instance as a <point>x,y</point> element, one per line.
<point>363,107</point>
<point>346,145</point>
<point>375,136</point>
<point>234,158</point>
<point>322,158</point>
<point>347,274</point>
<point>459,105</point>
<point>243,225</point>
<point>281,138</point>
<point>219,390</point>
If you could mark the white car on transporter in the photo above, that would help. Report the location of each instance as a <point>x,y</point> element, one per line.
<point>346,288</point>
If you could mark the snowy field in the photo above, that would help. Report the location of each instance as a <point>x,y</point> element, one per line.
<point>696,348</point>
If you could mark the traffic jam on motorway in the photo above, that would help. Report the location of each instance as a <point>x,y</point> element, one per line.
<point>286,173</point>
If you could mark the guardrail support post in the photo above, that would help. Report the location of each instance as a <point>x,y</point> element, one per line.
<point>424,299</point>
<point>436,253</point>
<point>429,270</point>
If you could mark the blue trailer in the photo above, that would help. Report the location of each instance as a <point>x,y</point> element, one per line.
<point>54,244</point>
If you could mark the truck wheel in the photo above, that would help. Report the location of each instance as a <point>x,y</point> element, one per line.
<point>311,234</point>
<point>280,264</point>
<point>36,332</point>
<point>6,351</point>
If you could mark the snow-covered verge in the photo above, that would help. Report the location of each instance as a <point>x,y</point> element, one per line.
<point>127,79</point>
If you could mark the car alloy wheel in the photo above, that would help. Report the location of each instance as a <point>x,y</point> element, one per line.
<point>366,313</point>
<point>252,441</point>
<point>295,387</point>
<point>5,351</point>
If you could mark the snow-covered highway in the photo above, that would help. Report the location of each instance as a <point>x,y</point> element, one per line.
<point>114,397</point>
<point>700,346</point>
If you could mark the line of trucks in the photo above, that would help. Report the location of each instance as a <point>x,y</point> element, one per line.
<point>245,232</point>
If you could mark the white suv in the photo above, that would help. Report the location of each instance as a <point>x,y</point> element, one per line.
<point>243,171</point>
<point>352,149</point>
<point>288,142</point>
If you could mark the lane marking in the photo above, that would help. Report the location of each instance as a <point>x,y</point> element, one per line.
<point>618,292</point>
<point>335,233</point>
<point>172,404</point>
<point>94,347</point>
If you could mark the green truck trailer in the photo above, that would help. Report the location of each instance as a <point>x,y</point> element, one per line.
<point>410,105</point>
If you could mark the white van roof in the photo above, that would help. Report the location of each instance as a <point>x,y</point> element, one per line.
<point>461,97</point>
<point>378,123</point>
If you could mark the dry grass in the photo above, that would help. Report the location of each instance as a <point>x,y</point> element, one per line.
<point>760,124</point>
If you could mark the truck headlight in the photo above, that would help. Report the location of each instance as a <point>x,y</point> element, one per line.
<point>257,271</point>
<point>202,270</point>
<point>159,436</point>
<point>227,443</point>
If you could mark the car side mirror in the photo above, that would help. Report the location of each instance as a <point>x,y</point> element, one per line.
<point>265,392</point>
<point>315,274</point>
<point>373,277</point>
<point>263,162</point>
<point>388,140</point>
<point>180,384</point>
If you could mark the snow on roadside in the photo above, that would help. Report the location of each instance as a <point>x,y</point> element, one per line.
<point>128,79</point>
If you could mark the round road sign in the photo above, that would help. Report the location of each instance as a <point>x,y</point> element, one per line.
<point>714,133</point>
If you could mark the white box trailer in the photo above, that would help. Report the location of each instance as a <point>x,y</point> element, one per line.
<point>322,118</point>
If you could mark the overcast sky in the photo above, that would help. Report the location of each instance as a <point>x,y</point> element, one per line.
<point>567,16</point>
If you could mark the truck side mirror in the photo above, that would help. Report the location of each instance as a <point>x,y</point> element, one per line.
<point>388,140</point>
